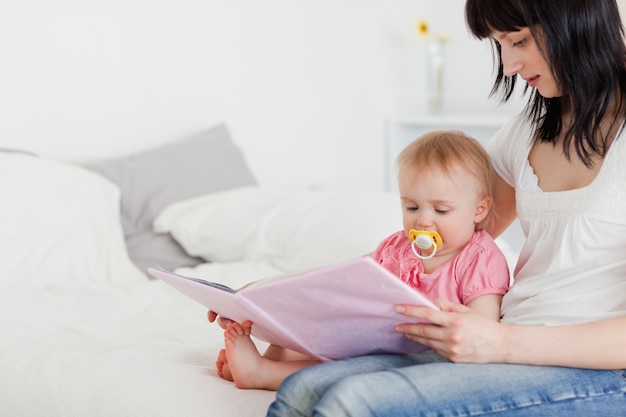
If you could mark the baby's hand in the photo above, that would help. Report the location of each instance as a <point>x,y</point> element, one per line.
<point>223,322</point>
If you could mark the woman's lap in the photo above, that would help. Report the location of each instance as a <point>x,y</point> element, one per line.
<point>426,385</point>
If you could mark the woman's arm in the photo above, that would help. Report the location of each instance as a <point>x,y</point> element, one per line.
<point>595,345</point>
<point>461,335</point>
<point>503,211</point>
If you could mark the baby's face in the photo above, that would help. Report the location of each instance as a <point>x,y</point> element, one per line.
<point>446,202</point>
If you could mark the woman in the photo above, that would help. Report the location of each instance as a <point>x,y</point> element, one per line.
<point>560,348</point>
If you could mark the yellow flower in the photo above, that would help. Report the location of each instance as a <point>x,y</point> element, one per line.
<point>422,28</point>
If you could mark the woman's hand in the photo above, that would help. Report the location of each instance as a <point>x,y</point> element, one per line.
<point>456,332</point>
<point>223,322</point>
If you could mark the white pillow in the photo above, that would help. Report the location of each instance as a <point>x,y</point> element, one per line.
<point>221,226</point>
<point>60,224</point>
<point>292,229</point>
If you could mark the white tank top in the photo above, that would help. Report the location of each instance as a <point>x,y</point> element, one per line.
<point>572,268</point>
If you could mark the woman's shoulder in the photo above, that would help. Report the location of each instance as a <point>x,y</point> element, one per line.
<point>510,146</point>
<point>516,132</point>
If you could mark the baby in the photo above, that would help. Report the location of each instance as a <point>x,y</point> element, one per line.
<point>444,180</point>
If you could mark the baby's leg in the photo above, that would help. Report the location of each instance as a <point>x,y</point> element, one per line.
<point>221,363</point>
<point>273,352</point>
<point>277,353</point>
<point>251,370</point>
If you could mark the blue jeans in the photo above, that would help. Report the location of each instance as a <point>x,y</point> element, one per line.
<point>425,384</point>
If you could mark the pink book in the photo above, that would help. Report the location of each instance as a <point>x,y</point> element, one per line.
<point>337,311</point>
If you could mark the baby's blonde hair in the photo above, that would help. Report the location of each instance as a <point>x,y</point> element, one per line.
<point>446,149</point>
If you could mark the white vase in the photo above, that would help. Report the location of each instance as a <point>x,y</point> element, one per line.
<point>435,60</point>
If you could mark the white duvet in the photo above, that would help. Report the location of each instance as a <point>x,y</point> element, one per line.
<point>97,350</point>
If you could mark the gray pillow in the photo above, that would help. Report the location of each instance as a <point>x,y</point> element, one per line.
<point>150,181</point>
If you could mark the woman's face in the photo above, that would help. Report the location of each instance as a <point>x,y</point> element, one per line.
<point>521,55</point>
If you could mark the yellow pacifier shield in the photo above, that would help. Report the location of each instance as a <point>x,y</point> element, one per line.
<point>425,239</point>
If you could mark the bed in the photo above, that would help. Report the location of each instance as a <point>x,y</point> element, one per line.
<point>85,331</point>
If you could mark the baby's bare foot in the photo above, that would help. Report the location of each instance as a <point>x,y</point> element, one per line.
<point>223,370</point>
<point>244,360</point>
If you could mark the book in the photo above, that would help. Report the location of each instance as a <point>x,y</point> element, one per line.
<point>337,311</point>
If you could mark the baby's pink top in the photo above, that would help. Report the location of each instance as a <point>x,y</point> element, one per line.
<point>480,268</point>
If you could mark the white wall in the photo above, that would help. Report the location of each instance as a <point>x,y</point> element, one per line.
<point>305,86</point>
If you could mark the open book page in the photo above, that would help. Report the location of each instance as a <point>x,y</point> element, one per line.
<point>225,301</point>
<point>341,310</point>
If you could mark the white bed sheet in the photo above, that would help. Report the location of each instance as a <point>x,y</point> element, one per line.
<point>99,350</point>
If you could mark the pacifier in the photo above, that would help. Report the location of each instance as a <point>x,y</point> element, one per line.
<point>424,240</point>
